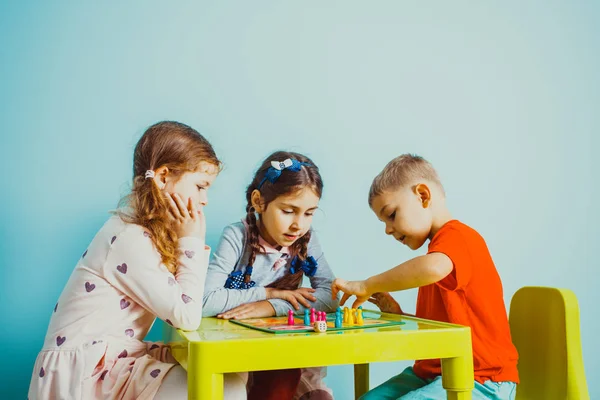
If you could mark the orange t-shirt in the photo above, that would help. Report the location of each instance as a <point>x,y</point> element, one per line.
<point>470,295</point>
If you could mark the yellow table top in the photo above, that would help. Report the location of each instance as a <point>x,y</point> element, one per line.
<point>234,348</point>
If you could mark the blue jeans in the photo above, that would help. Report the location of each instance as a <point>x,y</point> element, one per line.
<point>408,386</point>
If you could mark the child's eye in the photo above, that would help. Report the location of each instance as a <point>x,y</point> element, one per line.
<point>392,216</point>
<point>200,187</point>
<point>287,211</point>
<point>309,214</point>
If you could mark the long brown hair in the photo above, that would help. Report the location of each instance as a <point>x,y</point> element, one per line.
<point>287,183</point>
<point>181,149</point>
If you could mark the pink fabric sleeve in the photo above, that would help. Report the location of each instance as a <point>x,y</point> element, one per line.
<point>135,268</point>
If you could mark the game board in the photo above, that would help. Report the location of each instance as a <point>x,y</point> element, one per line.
<point>279,324</point>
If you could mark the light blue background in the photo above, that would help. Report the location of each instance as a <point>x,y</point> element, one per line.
<point>502,98</point>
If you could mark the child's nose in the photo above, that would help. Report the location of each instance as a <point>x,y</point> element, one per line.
<point>297,224</point>
<point>389,230</point>
<point>204,199</point>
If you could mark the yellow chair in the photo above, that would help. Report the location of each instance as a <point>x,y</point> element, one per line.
<point>544,324</point>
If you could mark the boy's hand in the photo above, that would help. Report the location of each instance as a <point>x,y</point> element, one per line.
<point>386,303</point>
<point>356,288</point>
<point>258,309</point>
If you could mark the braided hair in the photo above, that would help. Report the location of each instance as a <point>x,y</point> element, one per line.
<point>288,182</point>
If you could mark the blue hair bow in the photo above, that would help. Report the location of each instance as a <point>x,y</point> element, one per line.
<point>277,167</point>
<point>308,266</point>
<point>236,280</point>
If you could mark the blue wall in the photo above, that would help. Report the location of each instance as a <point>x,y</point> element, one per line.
<point>502,98</point>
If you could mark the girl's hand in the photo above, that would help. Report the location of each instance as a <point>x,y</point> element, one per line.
<point>259,309</point>
<point>386,303</point>
<point>300,295</point>
<point>356,288</point>
<point>189,220</point>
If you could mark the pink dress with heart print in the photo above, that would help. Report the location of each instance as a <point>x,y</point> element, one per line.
<point>93,348</point>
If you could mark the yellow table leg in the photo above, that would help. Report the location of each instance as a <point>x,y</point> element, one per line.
<point>457,377</point>
<point>205,386</point>
<point>459,395</point>
<point>361,379</point>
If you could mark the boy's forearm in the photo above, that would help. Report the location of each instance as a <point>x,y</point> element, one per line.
<point>417,272</point>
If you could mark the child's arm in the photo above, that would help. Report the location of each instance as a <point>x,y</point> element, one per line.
<point>135,268</point>
<point>218,299</point>
<point>321,282</point>
<point>420,271</point>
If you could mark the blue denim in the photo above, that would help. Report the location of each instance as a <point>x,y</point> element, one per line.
<point>408,386</point>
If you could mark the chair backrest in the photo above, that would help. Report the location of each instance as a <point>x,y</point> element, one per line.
<point>544,324</point>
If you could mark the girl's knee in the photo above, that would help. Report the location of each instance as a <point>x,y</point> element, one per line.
<point>174,386</point>
<point>234,386</point>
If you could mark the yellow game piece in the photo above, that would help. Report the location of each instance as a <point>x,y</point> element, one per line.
<point>353,314</point>
<point>351,317</point>
<point>359,317</point>
<point>346,315</point>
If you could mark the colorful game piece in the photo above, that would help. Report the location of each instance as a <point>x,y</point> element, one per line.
<point>290,318</point>
<point>345,315</point>
<point>338,319</point>
<point>359,317</point>
<point>312,316</point>
<point>279,325</point>
<point>350,317</point>
<point>306,317</point>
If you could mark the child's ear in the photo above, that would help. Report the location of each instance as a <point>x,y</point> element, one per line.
<point>161,174</point>
<point>422,190</point>
<point>257,201</point>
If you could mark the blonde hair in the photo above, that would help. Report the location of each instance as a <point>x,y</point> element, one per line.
<point>403,170</point>
<point>180,148</point>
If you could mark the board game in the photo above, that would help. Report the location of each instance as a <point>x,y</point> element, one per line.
<point>282,324</point>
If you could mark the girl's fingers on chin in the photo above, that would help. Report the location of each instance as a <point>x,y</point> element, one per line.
<point>172,216</point>
<point>175,212</point>
<point>172,205</point>
<point>193,211</point>
<point>180,205</point>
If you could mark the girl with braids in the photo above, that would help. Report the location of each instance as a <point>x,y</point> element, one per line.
<point>147,261</point>
<point>259,265</point>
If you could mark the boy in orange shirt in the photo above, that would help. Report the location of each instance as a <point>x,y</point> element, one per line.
<point>457,283</point>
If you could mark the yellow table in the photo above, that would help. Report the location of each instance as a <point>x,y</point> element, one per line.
<point>219,347</point>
